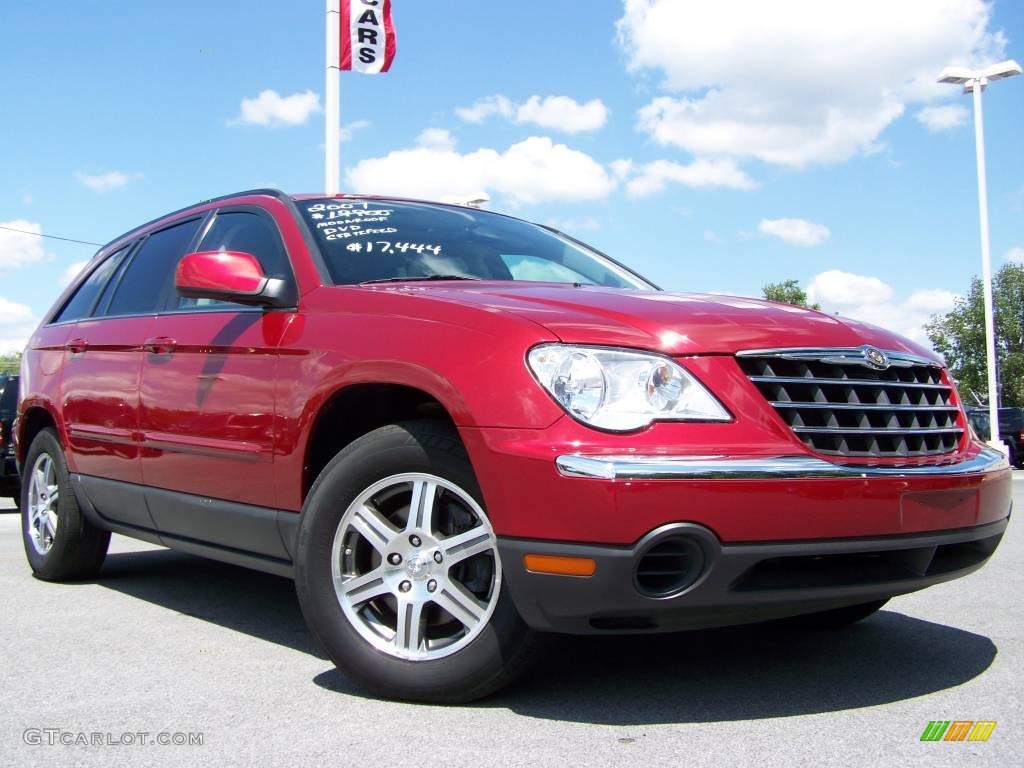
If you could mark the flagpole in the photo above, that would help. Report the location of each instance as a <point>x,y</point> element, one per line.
<point>332,105</point>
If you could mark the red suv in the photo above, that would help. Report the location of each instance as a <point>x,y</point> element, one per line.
<point>457,431</point>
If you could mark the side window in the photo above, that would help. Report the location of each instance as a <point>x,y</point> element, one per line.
<point>249,233</point>
<point>81,303</point>
<point>150,274</point>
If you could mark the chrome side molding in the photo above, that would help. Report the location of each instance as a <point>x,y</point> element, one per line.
<point>631,467</point>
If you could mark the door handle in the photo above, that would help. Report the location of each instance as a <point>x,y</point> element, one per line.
<point>76,346</point>
<point>160,345</point>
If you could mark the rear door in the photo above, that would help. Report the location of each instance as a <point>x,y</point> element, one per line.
<point>100,388</point>
<point>207,411</point>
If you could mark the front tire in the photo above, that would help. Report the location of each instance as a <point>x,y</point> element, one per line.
<point>398,573</point>
<point>60,544</point>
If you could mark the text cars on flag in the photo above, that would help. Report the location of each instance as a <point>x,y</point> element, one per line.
<point>367,36</point>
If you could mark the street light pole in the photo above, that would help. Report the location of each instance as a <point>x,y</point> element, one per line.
<point>986,268</point>
<point>975,82</point>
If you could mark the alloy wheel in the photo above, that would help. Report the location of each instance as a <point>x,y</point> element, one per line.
<point>43,495</point>
<point>415,566</point>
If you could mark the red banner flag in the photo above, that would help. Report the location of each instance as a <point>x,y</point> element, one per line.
<point>367,36</point>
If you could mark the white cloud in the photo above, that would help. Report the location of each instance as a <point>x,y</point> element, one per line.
<point>653,177</point>
<point>17,249</point>
<point>930,300</point>
<point>485,108</point>
<point>795,231</point>
<point>71,272</point>
<point>271,108</point>
<point>16,324</point>
<point>712,237</point>
<point>104,182</point>
<point>347,131</point>
<point>532,171</point>
<point>872,300</point>
<point>27,198</point>
<point>942,118</point>
<point>845,289</point>
<point>622,168</point>
<point>1016,255</point>
<point>437,139</point>
<point>563,113</point>
<point>557,112</point>
<point>795,82</point>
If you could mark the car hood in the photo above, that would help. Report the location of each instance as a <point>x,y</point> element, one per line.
<point>673,323</point>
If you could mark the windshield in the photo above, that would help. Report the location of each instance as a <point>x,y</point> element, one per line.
<point>379,240</point>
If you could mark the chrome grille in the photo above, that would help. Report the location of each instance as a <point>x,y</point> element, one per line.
<point>853,402</point>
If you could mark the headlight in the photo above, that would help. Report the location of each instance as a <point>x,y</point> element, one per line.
<point>620,390</point>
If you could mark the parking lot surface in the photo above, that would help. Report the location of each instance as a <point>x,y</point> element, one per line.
<point>164,645</point>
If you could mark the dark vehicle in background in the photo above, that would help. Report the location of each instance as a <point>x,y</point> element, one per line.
<point>1011,430</point>
<point>10,484</point>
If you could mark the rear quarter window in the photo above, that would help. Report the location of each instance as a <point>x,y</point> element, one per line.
<point>81,303</point>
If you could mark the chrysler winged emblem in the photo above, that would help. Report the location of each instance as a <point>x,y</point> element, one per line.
<point>876,358</point>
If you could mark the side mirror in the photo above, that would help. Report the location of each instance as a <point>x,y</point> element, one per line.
<point>229,276</point>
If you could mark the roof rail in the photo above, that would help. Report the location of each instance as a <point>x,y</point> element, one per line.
<point>270,191</point>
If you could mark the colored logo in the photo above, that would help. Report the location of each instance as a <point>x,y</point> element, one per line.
<point>958,730</point>
<point>876,358</point>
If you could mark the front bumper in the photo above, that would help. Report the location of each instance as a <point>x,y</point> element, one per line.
<point>778,534</point>
<point>738,583</point>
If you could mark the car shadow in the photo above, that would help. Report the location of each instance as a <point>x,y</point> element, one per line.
<point>259,604</point>
<point>737,673</point>
<point>746,673</point>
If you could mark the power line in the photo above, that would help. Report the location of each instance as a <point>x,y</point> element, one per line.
<point>52,237</point>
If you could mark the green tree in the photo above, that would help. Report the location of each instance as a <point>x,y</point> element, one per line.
<point>10,363</point>
<point>788,292</point>
<point>959,335</point>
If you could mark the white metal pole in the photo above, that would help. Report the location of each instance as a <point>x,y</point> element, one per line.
<point>986,268</point>
<point>332,106</point>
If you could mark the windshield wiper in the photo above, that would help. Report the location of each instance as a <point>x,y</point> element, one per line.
<point>418,278</point>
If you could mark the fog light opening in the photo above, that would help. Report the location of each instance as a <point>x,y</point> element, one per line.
<point>669,566</point>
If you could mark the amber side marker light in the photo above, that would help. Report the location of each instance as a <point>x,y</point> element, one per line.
<point>560,565</point>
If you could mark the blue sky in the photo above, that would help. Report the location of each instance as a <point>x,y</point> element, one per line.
<point>713,127</point>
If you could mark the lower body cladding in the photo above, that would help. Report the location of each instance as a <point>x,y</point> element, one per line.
<point>681,577</point>
<point>946,521</point>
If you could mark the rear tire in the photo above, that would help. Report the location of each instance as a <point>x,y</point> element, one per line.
<point>398,574</point>
<point>60,544</point>
<point>837,618</point>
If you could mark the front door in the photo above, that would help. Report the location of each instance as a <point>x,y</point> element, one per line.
<point>207,410</point>
<point>207,404</point>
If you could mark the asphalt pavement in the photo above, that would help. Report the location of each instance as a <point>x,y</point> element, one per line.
<point>170,647</point>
